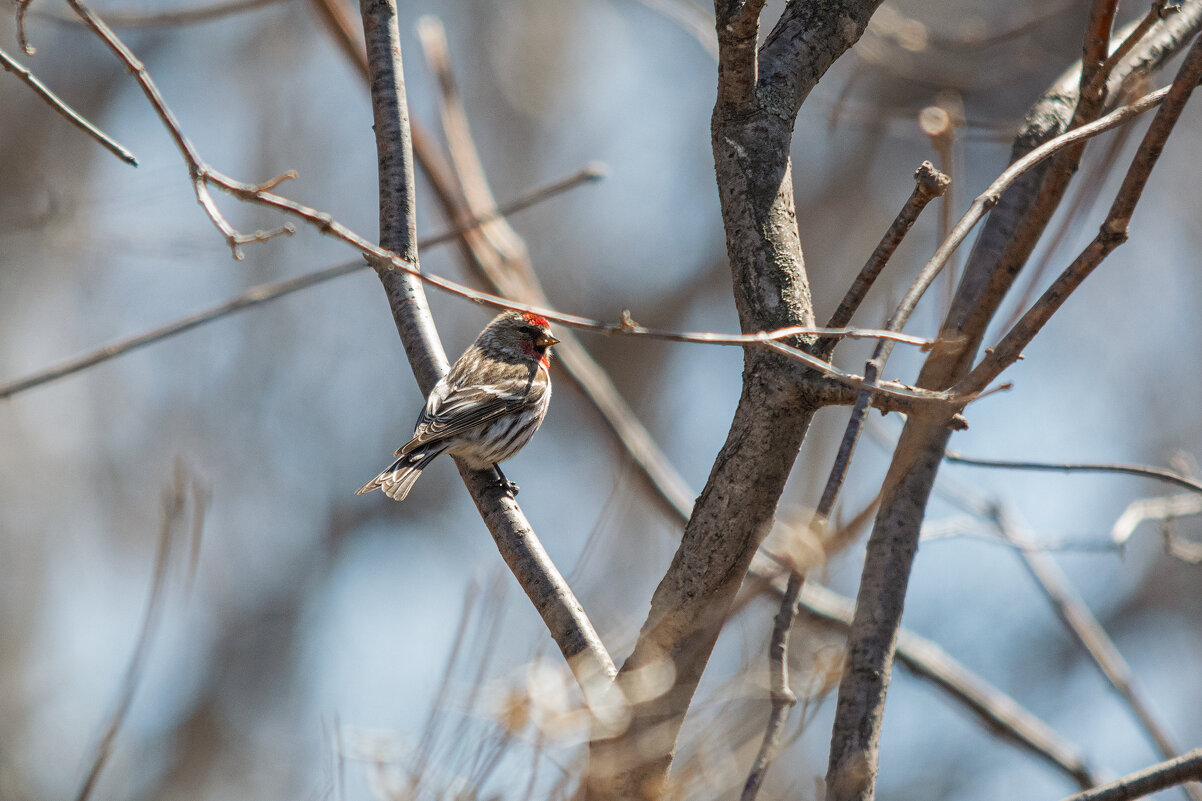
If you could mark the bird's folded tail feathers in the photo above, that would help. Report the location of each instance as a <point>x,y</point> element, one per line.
<point>399,477</point>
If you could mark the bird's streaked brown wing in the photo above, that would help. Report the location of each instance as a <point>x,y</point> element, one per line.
<point>462,410</point>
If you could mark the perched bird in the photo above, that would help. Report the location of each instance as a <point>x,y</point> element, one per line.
<point>485,409</point>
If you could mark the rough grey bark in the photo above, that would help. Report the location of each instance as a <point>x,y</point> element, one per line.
<point>1003,247</point>
<point>751,131</point>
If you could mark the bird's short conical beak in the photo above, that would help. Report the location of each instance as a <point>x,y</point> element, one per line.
<point>546,340</point>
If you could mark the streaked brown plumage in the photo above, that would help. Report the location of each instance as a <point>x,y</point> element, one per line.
<point>485,409</point>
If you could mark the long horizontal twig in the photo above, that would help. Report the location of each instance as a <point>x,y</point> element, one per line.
<point>1184,768</point>
<point>73,116</point>
<point>203,175</point>
<point>265,293</point>
<point>1143,471</point>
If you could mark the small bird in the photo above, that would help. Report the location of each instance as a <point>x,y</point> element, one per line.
<point>485,409</point>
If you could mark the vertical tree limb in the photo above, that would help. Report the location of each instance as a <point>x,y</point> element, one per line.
<point>929,184</point>
<point>515,539</point>
<point>751,130</point>
<point>1003,247</point>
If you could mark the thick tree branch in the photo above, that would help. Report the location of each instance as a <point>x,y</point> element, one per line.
<point>1012,230</point>
<point>751,139</point>
<point>929,183</point>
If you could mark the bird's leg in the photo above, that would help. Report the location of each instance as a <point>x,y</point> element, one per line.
<point>505,483</point>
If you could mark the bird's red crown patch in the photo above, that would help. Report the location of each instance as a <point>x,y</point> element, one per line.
<point>535,319</point>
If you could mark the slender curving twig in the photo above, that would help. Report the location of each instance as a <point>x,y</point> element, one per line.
<point>200,173</point>
<point>1143,471</point>
<point>73,116</point>
<point>175,499</point>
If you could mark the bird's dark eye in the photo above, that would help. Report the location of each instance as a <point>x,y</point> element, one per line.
<point>526,329</point>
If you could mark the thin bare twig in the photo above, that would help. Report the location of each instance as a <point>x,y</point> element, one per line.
<point>1089,633</point>
<point>1150,780</point>
<point>1095,45</point>
<point>175,500</point>
<point>929,183</point>
<point>1156,12</point>
<point>73,116</point>
<point>989,198</point>
<point>167,19</point>
<point>266,293</point>
<point>1071,223</point>
<point>200,173</point>
<point>1143,471</point>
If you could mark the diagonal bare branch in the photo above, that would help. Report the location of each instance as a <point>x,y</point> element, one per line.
<point>515,539</point>
<point>73,116</point>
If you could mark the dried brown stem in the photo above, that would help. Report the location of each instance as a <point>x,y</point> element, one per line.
<point>73,116</point>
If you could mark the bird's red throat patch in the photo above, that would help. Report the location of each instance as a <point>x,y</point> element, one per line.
<point>535,319</point>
